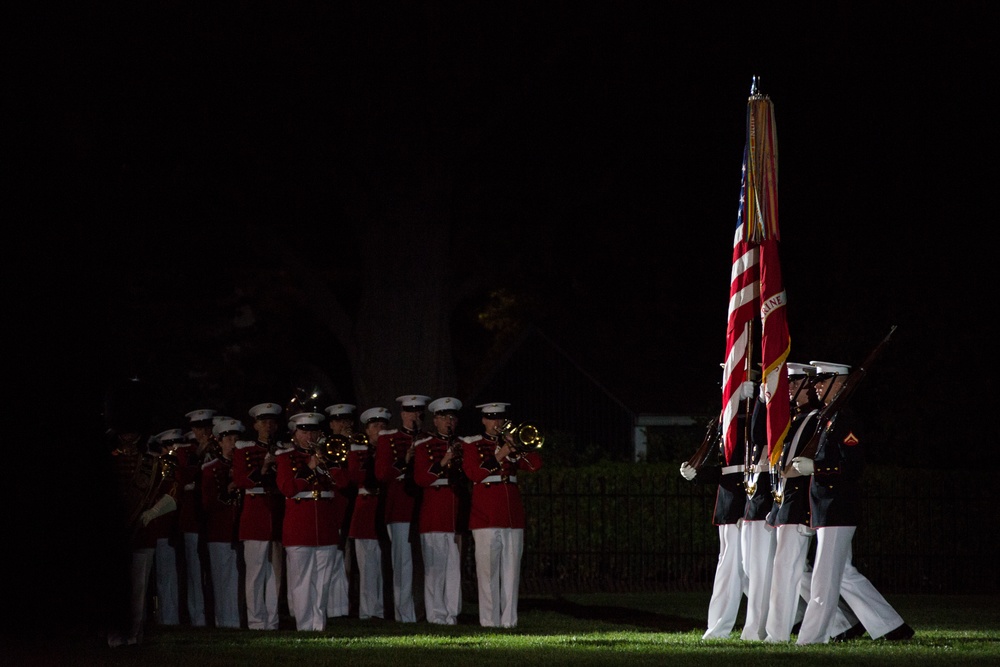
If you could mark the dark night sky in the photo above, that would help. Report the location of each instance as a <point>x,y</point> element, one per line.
<point>153,135</point>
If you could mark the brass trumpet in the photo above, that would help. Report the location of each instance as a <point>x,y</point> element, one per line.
<point>526,435</point>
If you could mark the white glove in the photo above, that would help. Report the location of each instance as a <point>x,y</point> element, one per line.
<point>748,389</point>
<point>688,472</point>
<point>163,506</point>
<point>803,465</point>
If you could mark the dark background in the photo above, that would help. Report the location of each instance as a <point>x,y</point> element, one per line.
<point>160,147</point>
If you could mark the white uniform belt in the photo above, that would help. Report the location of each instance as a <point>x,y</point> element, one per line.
<point>313,494</point>
<point>728,470</point>
<point>440,482</point>
<point>364,492</point>
<point>497,478</point>
<point>761,467</point>
<point>257,491</point>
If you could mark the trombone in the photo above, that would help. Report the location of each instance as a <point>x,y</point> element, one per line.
<point>526,436</point>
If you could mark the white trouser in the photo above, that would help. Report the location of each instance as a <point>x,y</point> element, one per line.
<point>337,601</point>
<point>442,577</point>
<point>727,590</point>
<point>225,584</point>
<point>193,581</point>
<point>165,563</point>
<point>369,557</point>
<point>308,570</point>
<point>498,572</point>
<point>757,544</point>
<point>402,572</point>
<point>261,586</point>
<point>787,574</point>
<point>833,577</point>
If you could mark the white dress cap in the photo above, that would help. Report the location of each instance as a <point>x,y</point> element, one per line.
<point>227,426</point>
<point>445,404</point>
<point>830,368</point>
<point>493,409</point>
<point>375,414</point>
<point>170,436</point>
<point>800,369</point>
<point>203,415</point>
<point>307,421</point>
<point>340,410</point>
<point>413,400</point>
<point>264,410</point>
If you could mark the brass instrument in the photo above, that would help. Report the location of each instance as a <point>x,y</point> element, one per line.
<point>526,436</point>
<point>333,450</point>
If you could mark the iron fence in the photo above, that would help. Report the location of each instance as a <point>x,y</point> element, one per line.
<point>642,527</point>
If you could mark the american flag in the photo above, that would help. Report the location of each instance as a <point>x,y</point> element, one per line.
<point>756,283</point>
<point>743,286</point>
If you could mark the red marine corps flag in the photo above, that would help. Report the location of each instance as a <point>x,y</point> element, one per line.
<point>756,284</point>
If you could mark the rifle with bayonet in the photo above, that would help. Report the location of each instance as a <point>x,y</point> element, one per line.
<point>837,403</point>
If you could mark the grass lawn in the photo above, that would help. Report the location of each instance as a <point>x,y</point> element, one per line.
<point>629,630</point>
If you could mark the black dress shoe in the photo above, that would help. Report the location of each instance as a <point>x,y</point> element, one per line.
<point>796,628</point>
<point>901,633</point>
<point>850,633</point>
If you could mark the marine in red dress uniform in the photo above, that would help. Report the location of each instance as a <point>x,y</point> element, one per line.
<point>394,469</point>
<point>341,423</point>
<point>220,498</point>
<point>437,468</point>
<point>145,486</point>
<point>255,472</point>
<point>496,518</point>
<point>367,526</point>
<point>310,531</point>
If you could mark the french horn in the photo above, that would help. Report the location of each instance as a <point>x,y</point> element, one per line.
<point>526,436</point>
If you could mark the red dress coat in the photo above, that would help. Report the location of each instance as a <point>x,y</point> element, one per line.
<point>442,506</point>
<point>361,470</point>
<point>189,515</point>
<point>310,514</point>
<point>496,499</point>
<point>263,504</point>
<point>219,503</point>
<point>391,469</point>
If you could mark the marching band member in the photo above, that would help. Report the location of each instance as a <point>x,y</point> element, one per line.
<point>437,469</point>
<point>146,489</point>
<point>309,532</point>
<point>190,518</point>
<point>341,423</point>
<point>394,469</point>
<point>255,472</point>
<point>366,524</point>
<point>491,462</point>
<point>220,497</point>
<point>164,529</point>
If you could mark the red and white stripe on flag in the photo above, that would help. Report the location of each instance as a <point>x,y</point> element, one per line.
<point>743,286</point>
